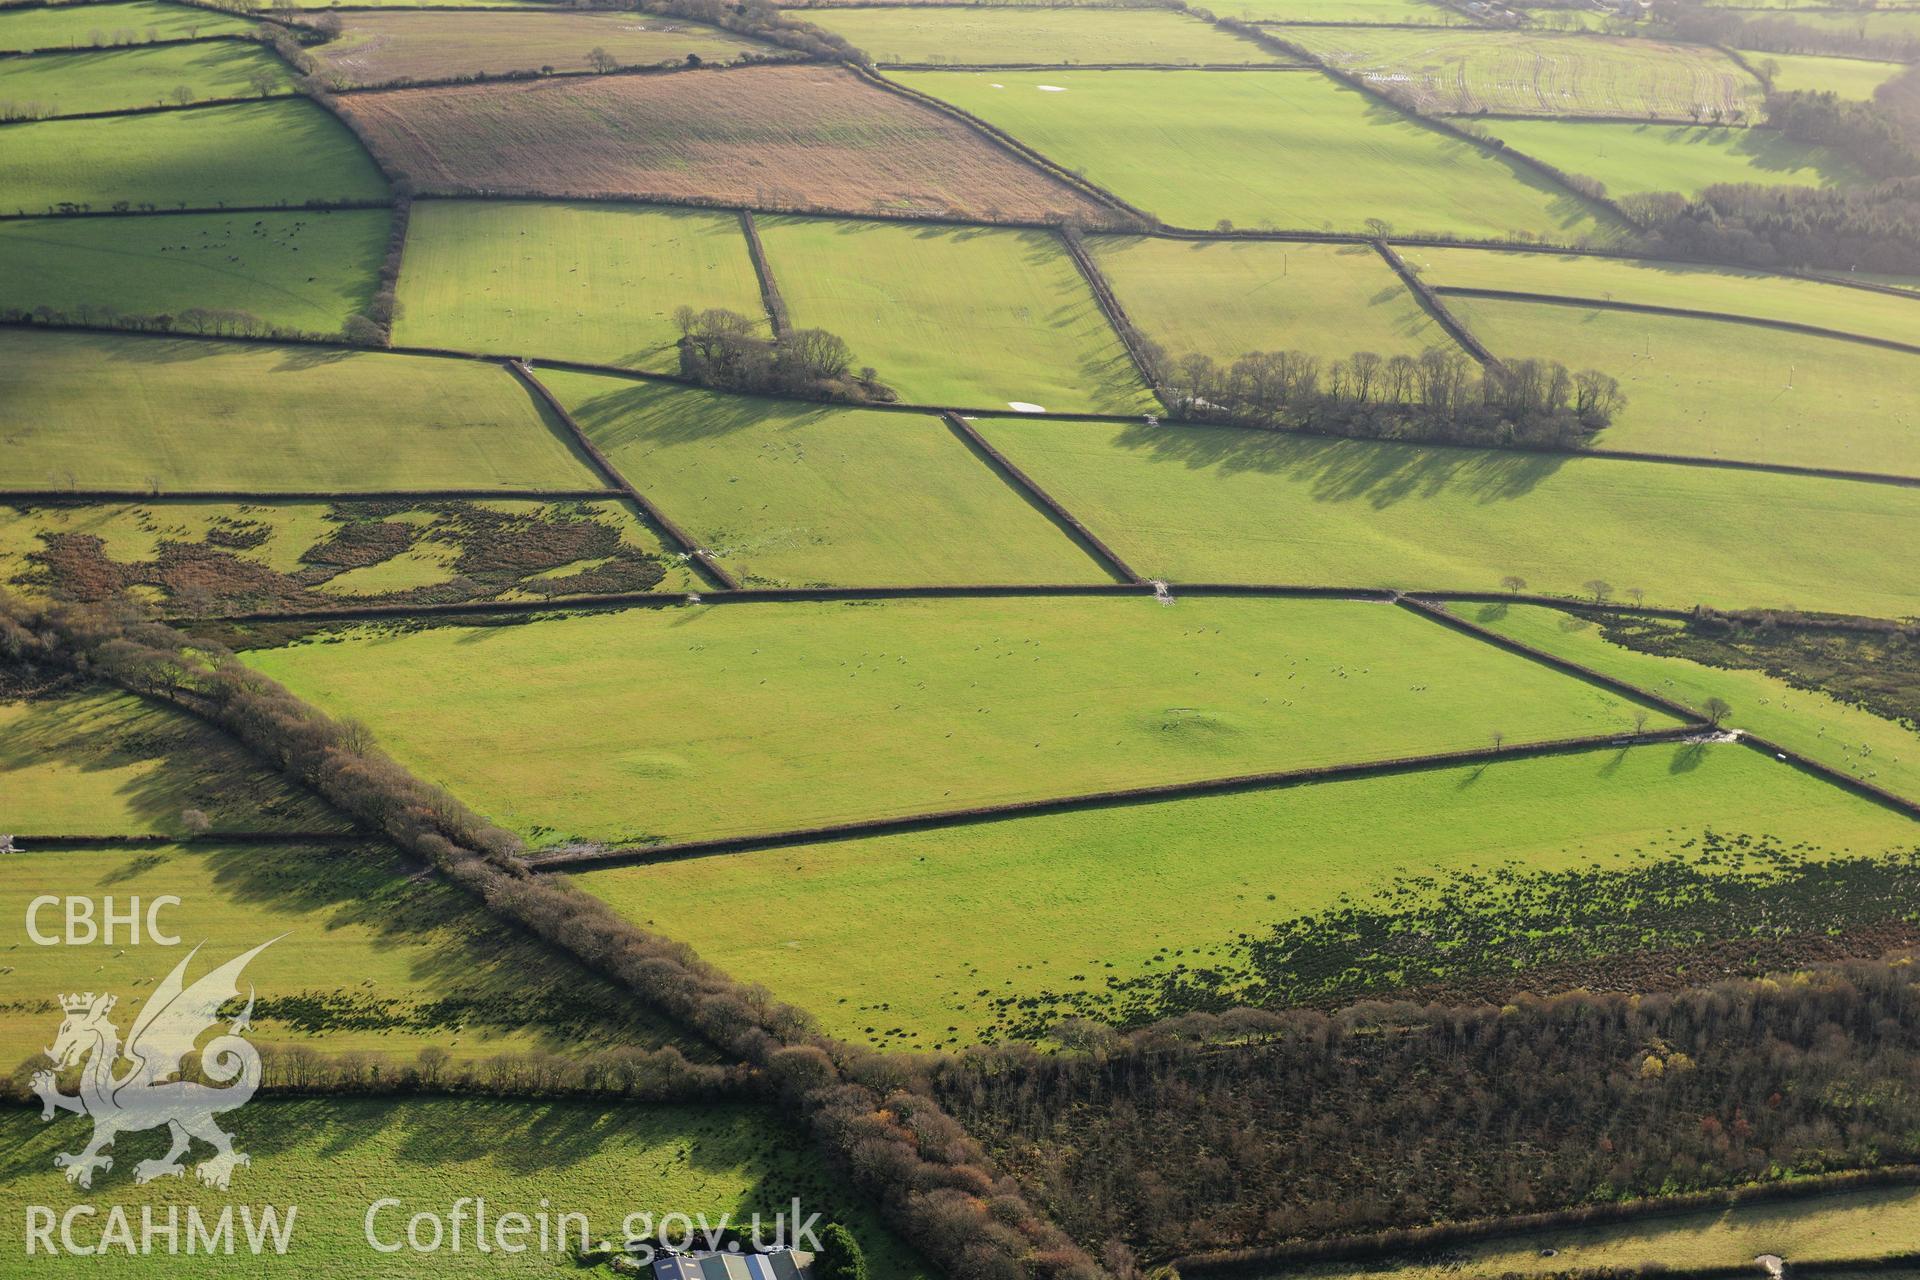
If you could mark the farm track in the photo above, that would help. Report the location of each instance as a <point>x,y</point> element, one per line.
<point>1270,781</point>
<point>653,515</point>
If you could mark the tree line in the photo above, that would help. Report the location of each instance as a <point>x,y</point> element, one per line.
<point>724,349</point>
<point>624,1073</point>
<point>894,1142</point>
<point>1249,1128</point>
<point>1696,23</point>
<point>1869,228</point>
<point>1439,395</point>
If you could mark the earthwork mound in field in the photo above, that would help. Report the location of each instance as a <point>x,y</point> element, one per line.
<point>791,137</point>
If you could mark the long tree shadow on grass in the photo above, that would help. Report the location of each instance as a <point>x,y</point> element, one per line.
<point>648,415</point>
<point>163,761</point>
<point>1380,473</point>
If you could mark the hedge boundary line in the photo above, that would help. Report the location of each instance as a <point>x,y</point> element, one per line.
<point>1388,1245</point>
<point>471,81</point>
<point>927,410</point>
<point>1565,666</point>
<point>596,603</point>
<point>158,108</point>
<point>682,541</point>
<point>1683,313</point>
<point>763,272</point>
<point>1825,772</point>
<point>1860,786</point>
<point>1009,144</point>
<point>1430,300</point>
<point>1152,793</point>
<point>1440,124</point>
<point>309,206</point>
<point>62,843</point>
<point>110,48</point>
<point>989,591</point>
<point>1085,66</point>
<point>82,497</point>
<point>933,1182</point>
<point>1117,318</point>
<point>1108,558</point>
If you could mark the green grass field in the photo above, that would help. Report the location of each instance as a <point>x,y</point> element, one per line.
<point>88,411</point>
<point>200,557</point>
<point>70,84</point>
<point>1393,11</point>
<point>1674,284</point>
<point>252,153</point>
<point>1042,36</point>
<point>964,318</point>
<point>98,762</point>
<point>597,283</point>
<point>1852,78</point>
<point>78,26</point>
<point>370,958</point>
<point>306,271</point>
<point>1721,389</point>
<point>333,1158</point>
<point>1213,504</point>
<point>1224,298</point>
<point>1836,734</point>
<point>1287,150</point>
<point>1837,1227</point>
<point>803,714</point>
<point>1631,159</point>
<point>797,495</point>
<point>383,48</point>
<point>1892,23</point>
<point>952,920</point>
<point>1462,72</point>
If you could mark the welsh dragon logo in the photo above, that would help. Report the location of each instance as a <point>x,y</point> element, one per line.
<point>147,1095</point>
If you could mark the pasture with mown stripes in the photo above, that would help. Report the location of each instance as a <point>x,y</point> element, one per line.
<point>1465,72</point>
<point>1260,150</point>
<point>969,617</point>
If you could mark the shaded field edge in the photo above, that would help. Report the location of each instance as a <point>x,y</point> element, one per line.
<point>1118,797</point>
